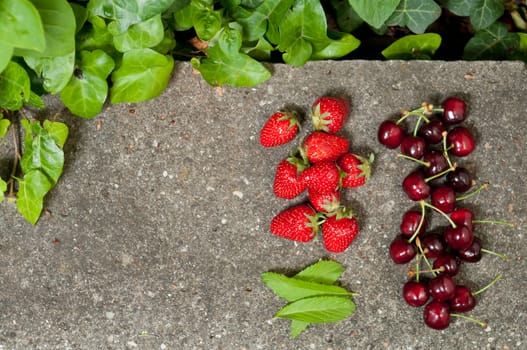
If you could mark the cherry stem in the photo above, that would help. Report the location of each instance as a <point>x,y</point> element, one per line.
<point>483,324</point>
<point>449,219</point>
<point>451,168</point>
<point>496,279</point>
<point>445,148</point>
<point>419,161</point>
<point>421,222</point>
<point>423,254</point>
<point>419,112</point>
<point>417,267</point>
<point>506,223</point>
<point>470,194</point>
<point>501,256</point>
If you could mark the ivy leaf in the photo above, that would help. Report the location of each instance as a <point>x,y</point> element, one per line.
<point>205,20</point>
<point>3,189</point>
<point>255,26</point>
<point>56,71</point>
<point>30,195</point>
<point>417,15</point>
<point>86,92</point>
<point>460,7</point>
<point>141,35</point>
<point>337,44</point>
<point>485,12</point>
<point>418,46</point>
<point>57,131</point>
<point>126,13</point>
<point>4,126</point>
<point>347,19</point>
<point>183,18</point>
<point>35,101</point>
<point>143,74</point>
<point>521,51</point>
<point>21,25</point>
<point>81,15</point>
<point>15,87</point>
<point>6,52</point>
<point>318,309</point>
<point>492,43</point>
<point>374,12</point>
<point>96,36</point>
<point>323,271</point>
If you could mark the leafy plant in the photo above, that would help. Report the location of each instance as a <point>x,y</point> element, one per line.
<point>312,295</point>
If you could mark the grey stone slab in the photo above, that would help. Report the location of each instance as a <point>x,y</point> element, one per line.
<point>158,229</point>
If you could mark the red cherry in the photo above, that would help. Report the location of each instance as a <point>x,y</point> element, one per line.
<point>463,300</point>
<point>449,262</point>
<point>463,217</point>
<point>442,287</point>
<point>434,245</point>
<point>437,314</point>
<point>438,162</point>
<point>401,251</point>
<point>460,179</point>
<point>413,146</point>
<point>415,293</point>
<point>432,132</point>
<point>461,141</point>
<point>415,186</point>
<point>443,198</point>
<point>390,134</point>
<point>472,253</point>
<point>458,238</point>
<point>410,222</point>
<point>454,110</point>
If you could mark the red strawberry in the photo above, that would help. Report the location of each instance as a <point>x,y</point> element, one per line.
<point>339,231</point>
<point>324,202</point>
<point>279,129</point>
<point>320,146</point>
<point>329,114</point>
<point>299,223</point>
<point>323,177</point>
<point>287,182</point>
<point>357,169</point>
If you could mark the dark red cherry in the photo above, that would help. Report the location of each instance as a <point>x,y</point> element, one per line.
<point>436,314</point>
<point>413,146</point>
<point>463,217</point>
<point>434,245</point>
<point>401,251</point>
<point>390,134</point>
<point>460,180</point>
<point>438,162</point>
<point>441,287</point>
<point>454,110</point>
<point>472,253</point>
<point>415,293</point>
<point>443,198</point>
<point>415,186</point>
<point>463,300</point>
<point>458,238</point>
<point>432,132</point>
<point>410,222</point>
<point>460,141</point>
<point>449,262</point>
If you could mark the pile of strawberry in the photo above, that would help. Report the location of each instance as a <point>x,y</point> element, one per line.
<point>322,166</point>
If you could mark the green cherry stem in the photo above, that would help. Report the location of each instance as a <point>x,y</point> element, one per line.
<point>470,194</point>
<point>501,256</point>
<point>425,204</point>
<point>423,254</point>
<point>421,222</point>
<point>486,221</point>
<point>419,161</point>
<point>452,167</point>
<point>445,149</point>
<point>483,324</point>
<point>496,279</point>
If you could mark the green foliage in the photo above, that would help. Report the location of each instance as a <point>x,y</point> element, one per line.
<point>311,295</point>
<point>418,46</point>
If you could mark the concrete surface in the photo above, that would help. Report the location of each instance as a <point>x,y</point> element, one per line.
<point>158,230</point>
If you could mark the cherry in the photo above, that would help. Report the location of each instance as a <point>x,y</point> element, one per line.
<point>432,132</point>
<point>461,141</point>
<point>410,223</point>
<point>415,293</point>
<point>463,217</point>
<point>402,251</point>
<point>390,134</point>
<point>443,198</point>
<point>460,180</point>
<point>459,237</point>
<point>472,253</point>
<point>437,163</point>
<point>463,299</point>
<point>434,245</point>
<point>454,110</point>
<point>441,287</point>
<point>413,146</point>
<point>415,185</point>
<point>449,262</point>
<point>437,314</point>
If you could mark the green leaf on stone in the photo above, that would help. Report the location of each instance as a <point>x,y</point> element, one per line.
<point>485,12</point>
<point>418,46</point>
<point>323,271</point>
<point>35,101</point>
<point>374,12</point>
<point>142,75</point>
<point>30,195</point>
<point>4,126</point>
<point>15,87</point>
<point>298,327</point>
<point>492,43</point>
<point>141,35</point>
<point>417,15</point>
<point>57,131</point>
<point>21,25</point>
<point>55,71</point>
<point>318,309</point>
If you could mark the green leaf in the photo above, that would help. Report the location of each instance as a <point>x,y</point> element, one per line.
<point>318,309</point>
<point>56,71</point>
<point>124,13</point>
<point>347,19</point>
<point>260,51</point>
<point>96,36</point>
<point>374,12</point>
<point>521,51</point>
<point>57,131</point>
<point>492,43</point>
<point>298,327</point>
<point>4,126</point>
<point>183,18</point>
<point>15,87</point>
<point>81,15</point>
<point>460,7</point>
<point>417,15</point>
<point>292,289</point>
<point>418,46</point>
<point>336,45</point>
<point>3,188</point>
<point>30,195</point>
<point>35,101</point>
<point>6,52</point>
<point>255,26</point>
<point>141,35</point>
<point>206,22</point>
<point>323,271</point>
<point>143,74</point>
<point>167,43</point>
<point>485,12</point>
<point>21,26</point>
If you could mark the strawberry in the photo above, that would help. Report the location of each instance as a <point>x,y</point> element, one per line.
<point>329,114</point>
<point>279,129</point>
<point>324,202</point>
<point>320,146</point>
<point>323,177</point>
<point>287,183</point>
<point>339,231</point>
<point>299,223</point>
<point>357,169</point>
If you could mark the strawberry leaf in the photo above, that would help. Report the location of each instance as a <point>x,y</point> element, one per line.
<point>318,309</point>
<point>298,327</point>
